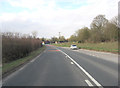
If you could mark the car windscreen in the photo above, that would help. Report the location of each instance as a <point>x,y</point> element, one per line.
<point>73,45</point>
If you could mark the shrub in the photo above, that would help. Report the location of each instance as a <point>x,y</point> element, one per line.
<point>15,47</point>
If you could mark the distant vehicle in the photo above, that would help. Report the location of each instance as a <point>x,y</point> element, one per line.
<point>73,47</point>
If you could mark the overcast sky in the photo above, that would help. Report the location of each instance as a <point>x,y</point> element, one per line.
<point>49,17</point>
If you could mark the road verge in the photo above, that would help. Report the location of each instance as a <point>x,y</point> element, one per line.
<point>9,68</point>
<point>102,47</point>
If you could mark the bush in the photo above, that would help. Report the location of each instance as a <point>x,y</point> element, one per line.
<point>15,47</point>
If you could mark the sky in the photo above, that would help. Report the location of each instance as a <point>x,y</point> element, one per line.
<point>49,17</point>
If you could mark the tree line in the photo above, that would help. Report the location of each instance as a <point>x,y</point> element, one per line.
<point>16,45</point>
<point>61,39</point>
<point>101,30</point>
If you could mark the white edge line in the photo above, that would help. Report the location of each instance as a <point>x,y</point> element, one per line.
<point>98,84</point>
<point>35,58</point>
<point>14,73</point>
<point>88,83</point>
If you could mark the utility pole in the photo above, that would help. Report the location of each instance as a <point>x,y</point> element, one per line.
<point>59,35</point>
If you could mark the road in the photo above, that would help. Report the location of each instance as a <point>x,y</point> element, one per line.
<point>62,67</point>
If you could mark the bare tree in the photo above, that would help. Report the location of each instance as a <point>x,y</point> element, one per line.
<point>115,20</point>
<point>97,28</point>
<point>34,34</point>
<point>99,22</point>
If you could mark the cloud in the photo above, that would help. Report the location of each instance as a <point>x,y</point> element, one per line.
<point>26,3</point>
<point>49,17</point>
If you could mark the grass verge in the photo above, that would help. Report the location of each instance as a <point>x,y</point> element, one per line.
<point>10,66</point>
<point>106,46</point>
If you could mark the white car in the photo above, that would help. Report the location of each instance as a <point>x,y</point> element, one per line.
<point>73,47</point>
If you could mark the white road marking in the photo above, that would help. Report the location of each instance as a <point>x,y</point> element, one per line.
<point>71,62</point>
<point>88,82</point>
<point>90,54</point>
<point>32,60</point>
<point>35,58</point>
<point>21,68</point>
<point>16,72</point>
<point>97,84</point>
<point>66,56</point>
<point>44,51</point>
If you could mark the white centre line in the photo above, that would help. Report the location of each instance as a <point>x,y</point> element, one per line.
<point>96,83</point>
<point>88,82</point>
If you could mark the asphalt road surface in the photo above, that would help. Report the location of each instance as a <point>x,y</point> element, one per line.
<point>62,67</point>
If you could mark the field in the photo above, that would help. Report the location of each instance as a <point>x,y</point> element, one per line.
<point>104,46</point>
<point>9,66</point>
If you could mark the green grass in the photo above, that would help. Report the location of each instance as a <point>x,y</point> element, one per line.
<point>8,66</point>
<point>106,46</point>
